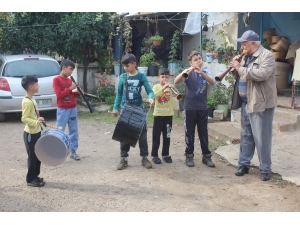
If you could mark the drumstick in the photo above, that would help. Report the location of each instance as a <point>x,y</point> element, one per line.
<point>49,125</point>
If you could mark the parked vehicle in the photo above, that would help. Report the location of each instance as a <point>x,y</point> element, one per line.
<point>13,68</point>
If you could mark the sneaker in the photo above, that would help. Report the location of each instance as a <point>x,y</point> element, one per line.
<point>36,183</point>
<point>75,156</point>
<point>41,179</point>
<point>206,159</point>
<point>122,164</point>
<point>146,163</point>
<point>189,160</point>
<point>167,159</point>
<point>156,160</point>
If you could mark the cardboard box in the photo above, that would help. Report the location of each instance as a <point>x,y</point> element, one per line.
<point>292,51</point>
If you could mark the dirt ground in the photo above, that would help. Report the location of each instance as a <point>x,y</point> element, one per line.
<point>94,185</point>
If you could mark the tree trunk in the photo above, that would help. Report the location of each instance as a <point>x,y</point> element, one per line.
<point>85,68</point>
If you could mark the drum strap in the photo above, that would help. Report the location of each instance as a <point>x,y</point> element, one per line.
<point>37,113</point>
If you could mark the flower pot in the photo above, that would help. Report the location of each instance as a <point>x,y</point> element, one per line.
<point>223,107</point>
<point>143,70</point>
<point>220,57</point>
<point>156,42</point>
<point>173,67</point>
<point>211,111</point>
<point>117,69</point>
<point>152,70</point>
<point>209,57</point>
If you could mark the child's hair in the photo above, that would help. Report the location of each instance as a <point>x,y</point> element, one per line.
<point>192,53</point>
<point>128,58</point>
<point>163,71</point>
<point>28,80</point>
<point>66,63</point>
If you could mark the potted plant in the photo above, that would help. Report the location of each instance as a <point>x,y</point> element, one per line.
<point>148,61</point>
<point>222,94</point>
<point>181,86</point>
<point>173,62</point>
<point>156,39</point>
<point>211,104</point>
<point>210,49</point>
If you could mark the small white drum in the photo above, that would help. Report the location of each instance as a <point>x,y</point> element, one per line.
<point>53,147</point>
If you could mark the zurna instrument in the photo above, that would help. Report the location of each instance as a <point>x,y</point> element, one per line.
<point>230,69</point>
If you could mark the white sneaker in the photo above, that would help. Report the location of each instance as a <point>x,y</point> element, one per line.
<point>75,156</point>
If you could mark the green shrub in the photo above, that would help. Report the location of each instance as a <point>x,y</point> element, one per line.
<point>110,100</point>
<point>105,91</point>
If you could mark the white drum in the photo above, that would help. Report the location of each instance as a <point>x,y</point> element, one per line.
<point>53,147</point>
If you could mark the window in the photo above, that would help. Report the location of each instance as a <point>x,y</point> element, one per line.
<point>40,68</point>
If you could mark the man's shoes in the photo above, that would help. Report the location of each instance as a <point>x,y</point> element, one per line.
<point>123,163</point>
<point>189,160</point>
<point>241,171</point>
<point>206,159</point>
<point>146,163</point>
<point>265,176</point>
<point>75,156</point>
<point>36,183</point>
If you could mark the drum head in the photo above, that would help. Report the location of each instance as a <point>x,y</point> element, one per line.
<point>51,150</point>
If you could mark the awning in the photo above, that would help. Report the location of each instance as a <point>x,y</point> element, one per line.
<point>193,21</point>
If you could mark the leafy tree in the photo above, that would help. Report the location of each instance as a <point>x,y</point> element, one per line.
<point>33,32</point>
<point>82,33</point>
<point>72,35</point>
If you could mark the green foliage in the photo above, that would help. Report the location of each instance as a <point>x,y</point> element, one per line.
<point>73,35</point>
<point>148,59</point>
<point>173,47</point>
<point>105,91</point>
<point>229,53</point>
<point>208,45</point>
<point>210,101</point>
<point>181,86</point>
<point>265,44</point>
<point>222,94</point>
<point>106,88</point>
<point>110,100</point>
<point>156,37</point>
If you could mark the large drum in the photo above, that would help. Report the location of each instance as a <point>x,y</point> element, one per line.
<point>130,124</point>
<point>53,147</point>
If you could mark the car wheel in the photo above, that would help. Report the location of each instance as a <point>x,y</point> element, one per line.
<point>2,117</point>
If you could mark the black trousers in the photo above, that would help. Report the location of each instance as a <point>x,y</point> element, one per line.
<point>33,163</point>
<point>191,119</point>
<point>162,125</point>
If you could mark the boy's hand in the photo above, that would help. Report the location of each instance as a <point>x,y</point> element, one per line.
<point>114,113</point>
<point>151,101</point>
<point>166,85</point>
<point>40,119</point>
<point>73,86</point>
<point>171,86</point>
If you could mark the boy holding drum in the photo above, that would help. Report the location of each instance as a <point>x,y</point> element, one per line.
<point>135,82</point>
<point>32,130</point>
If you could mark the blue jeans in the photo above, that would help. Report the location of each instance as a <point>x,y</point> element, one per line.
<point>69,116</point>
<point>256,131</point>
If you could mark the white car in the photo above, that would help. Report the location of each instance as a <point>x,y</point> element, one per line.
<point>13,68</point>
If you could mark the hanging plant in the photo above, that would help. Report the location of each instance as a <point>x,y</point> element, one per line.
<point>173,47</point>
<point>119,22</point>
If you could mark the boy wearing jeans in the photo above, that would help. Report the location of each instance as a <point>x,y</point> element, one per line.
<point>66,104</point>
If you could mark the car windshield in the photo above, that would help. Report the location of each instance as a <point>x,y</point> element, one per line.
<point>39,68</point>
